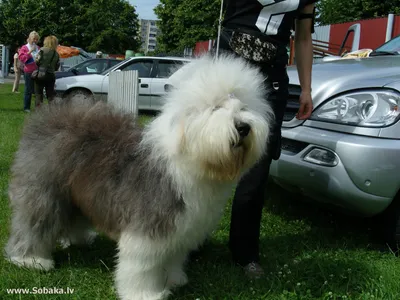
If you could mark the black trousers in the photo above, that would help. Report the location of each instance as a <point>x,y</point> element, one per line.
<point>250,193</point>
<point>46,83</point>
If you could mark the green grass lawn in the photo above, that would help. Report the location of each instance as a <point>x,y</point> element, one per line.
<point>308,252</point>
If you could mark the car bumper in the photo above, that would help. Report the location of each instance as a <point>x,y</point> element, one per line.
<point>364,180</point>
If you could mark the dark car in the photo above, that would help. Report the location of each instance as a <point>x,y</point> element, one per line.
<point>90,66</point>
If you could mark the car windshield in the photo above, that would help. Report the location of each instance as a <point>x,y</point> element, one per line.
<point>391,47</point>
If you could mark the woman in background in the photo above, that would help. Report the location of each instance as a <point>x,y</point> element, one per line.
<point>47,60</point>
<point>17,71</point>
<point>27,55</point>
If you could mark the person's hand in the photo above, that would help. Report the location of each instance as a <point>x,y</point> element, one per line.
<point>33,48</point>
<point>306,106</point>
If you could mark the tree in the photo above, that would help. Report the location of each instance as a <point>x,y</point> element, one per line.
<point>184,22</point>
<point>110,26</point>
<point>168,38</point>
<point>339,11</point>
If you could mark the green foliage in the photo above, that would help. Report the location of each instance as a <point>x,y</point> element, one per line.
<point>185,22</point>
<point>110,26</point>
<point>339,11</point>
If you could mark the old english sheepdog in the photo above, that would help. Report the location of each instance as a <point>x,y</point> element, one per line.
<point>157,191</point>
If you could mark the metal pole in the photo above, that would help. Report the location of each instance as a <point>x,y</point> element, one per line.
<point>389,27</point>
<point>219,26</point>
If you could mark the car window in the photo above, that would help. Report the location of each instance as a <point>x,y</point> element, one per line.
<point>392,45</point>
<point>167,67</point>
<point>93,66</point>
<point>143,67</point>
<point>82,66</point>
<point>120,62</point>
<point>113,63</point>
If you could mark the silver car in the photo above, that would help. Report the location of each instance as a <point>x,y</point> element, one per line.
<point>348,152</point>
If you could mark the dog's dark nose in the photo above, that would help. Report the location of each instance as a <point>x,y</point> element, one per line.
<point>243,129</point>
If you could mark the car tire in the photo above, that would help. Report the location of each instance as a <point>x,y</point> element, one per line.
<point>78,96</point>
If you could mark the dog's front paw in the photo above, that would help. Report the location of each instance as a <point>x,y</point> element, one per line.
<point>177,278</point>
<point>44,264</point>
<point>146,295</point>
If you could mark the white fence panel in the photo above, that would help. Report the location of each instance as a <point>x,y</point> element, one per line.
<point>322,33</point>
<point>123,91</point>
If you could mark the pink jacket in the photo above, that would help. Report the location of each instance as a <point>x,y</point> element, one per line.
<point>28,59</point>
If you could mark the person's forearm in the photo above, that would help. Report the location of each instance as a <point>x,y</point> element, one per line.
<point>24,55</point>
<point>304,61</point>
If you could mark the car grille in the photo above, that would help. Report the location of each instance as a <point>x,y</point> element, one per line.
<point>292,146</point>
<point>293,105</point>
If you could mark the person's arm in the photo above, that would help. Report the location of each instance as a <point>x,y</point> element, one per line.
<point>304,59</point>
<point>39,58</point>
<point>58,63</point>
<point>15,62</point>
<point>25,54</point>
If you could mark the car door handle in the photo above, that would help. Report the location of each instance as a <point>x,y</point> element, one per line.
<point>144,85</point>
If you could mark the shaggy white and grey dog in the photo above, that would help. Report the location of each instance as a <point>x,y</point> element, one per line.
<point>157,192</point>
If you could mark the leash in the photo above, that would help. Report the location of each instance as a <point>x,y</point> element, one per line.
<point>219,27</point>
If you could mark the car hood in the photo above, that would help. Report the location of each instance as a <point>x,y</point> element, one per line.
<point>333,77</point>
<point>80,78</point>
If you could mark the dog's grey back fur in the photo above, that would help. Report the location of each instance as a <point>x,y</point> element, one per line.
<point>85,159</point>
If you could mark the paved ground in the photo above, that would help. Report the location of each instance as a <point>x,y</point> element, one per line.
<point>10,79</point>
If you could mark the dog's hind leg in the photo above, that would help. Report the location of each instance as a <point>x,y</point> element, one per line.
<point>140,273</point>
<point>35,225</point>
<point>80,232</point>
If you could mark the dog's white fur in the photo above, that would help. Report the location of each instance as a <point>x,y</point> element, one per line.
<point>194,135</point>
<point>237,92</point>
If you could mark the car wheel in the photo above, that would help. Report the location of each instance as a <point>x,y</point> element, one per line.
<point>391,224</point>
<point>79,96</point>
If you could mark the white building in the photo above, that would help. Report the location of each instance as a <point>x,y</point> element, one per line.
<point>148,34</point>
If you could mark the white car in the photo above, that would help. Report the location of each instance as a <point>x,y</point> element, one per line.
<point>153,75</point>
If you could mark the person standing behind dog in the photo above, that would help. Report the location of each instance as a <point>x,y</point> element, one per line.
<point>47,60</point>
<point>18,69</point>
<point>260,30</point>
<point>27,55</point>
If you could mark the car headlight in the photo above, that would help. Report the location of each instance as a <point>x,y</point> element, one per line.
<point>369,108</point>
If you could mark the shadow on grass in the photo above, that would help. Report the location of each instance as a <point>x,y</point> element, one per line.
<point>101,254</point>
<point>307,273</point>
<point>326,221</point>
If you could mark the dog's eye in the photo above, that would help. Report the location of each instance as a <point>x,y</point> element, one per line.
<point>243,108</point>
<point>217,107</point>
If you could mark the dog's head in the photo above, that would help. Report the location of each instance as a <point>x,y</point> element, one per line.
<point>216,119</point>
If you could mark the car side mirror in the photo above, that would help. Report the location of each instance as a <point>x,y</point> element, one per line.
<point>75,71</point>
<point>168,87</point>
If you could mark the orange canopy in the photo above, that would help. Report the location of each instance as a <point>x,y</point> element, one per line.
<point>66,52</point>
